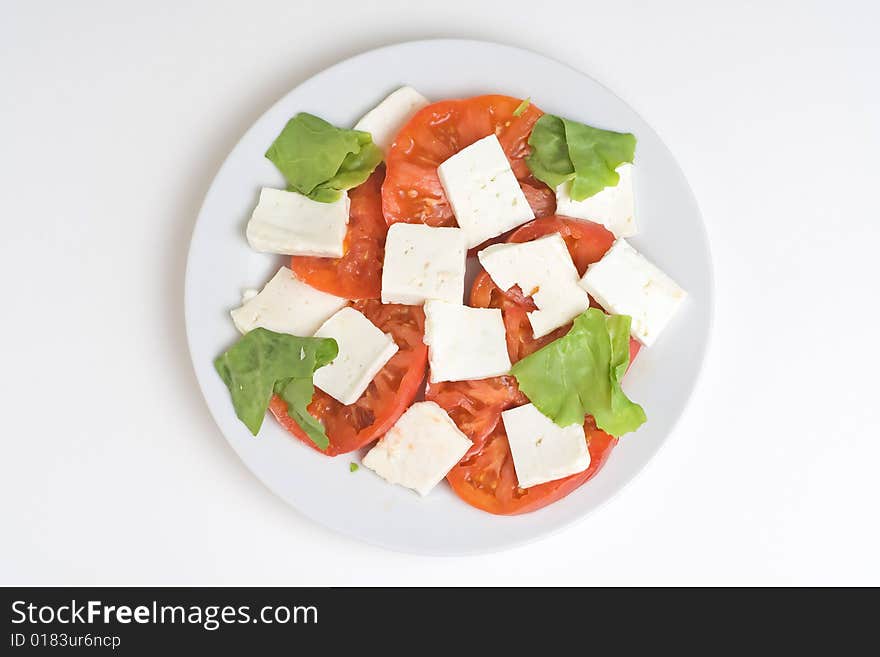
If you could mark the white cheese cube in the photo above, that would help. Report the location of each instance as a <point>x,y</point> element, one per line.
<point>543,269</point>
<point>363,351</point>
<point>613,207</point>
<point>483,192</point>
<point>423,263</point>
<point>464,344</point>
<point>623,282</point>
<point>286,305</point>
<point>289,223</point>
<point>542,450</point>
<point>418,451</point>
<point>385,120</point>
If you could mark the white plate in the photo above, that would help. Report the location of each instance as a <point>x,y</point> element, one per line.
<point>220,264</point>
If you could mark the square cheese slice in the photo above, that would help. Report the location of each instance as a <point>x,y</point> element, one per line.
<point>543,270</point>
<point>613,207</point>
<point>420,449</point>
<point>483,191</point>
<point>363,351</point>
<point>421,263</point>
<point>385,120</point>
<point>543,451</point>
<point>289,223</point>
<point>624,282</point>
<point>465,344</point>
<point>286,305</point>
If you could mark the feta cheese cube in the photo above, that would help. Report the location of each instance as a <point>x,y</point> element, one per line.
<point>385,120</point>
<point>485,195</point>
<point>289,223</point>
<point>464,343</point>
<point>363,351</point>
<point>542,450</point>
<point>423,263</point>
<point>613,207</point>
<point>286,305</point>
<point>624,282</point>
<point>418,451</point>
<point>543,269</point>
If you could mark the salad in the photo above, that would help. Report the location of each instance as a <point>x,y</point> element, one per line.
<point>368,339</point>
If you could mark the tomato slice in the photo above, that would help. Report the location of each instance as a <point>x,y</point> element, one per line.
<point>412,191</point>
<point>587,242</point>
<point>541,198</point>
<point>358,273</point>
<point>388,395</point>
<point>485,477</point>
<point>475,406</point>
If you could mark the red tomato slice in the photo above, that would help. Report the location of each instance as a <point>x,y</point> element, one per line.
<point>487,480</point>
<point>475,406</point>
<point>358,273</point>
<point>587,242</point>
<point>485,477</point>
<point>388,395</point>
<point>412,190</point>
<point>541,198</point>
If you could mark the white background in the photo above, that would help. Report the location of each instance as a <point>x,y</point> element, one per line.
<point>114,117</point>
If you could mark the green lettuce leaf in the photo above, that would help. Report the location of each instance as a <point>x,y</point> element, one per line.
<point>565,150</point>
<point>579,374</point>
<point>549,160</point>
<point>354,170</point>
<point>263,362</point>
<point>298,395</point>
<point>320,160</point>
